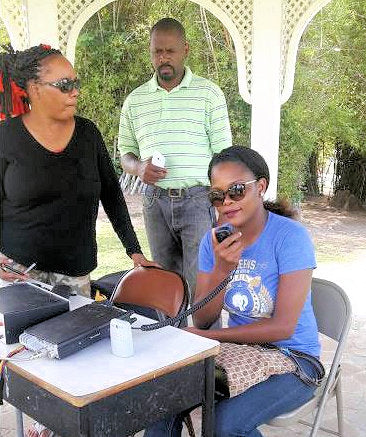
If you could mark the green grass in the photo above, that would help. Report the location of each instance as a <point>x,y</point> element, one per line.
<point>111,253</point>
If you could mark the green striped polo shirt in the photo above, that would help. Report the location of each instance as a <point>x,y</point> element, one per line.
<point>187,125</point>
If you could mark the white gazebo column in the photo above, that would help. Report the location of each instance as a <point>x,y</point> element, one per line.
<point>265,85</point>
<point>42,22</point>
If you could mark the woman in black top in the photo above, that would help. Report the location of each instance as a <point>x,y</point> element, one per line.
<point>54,169</point>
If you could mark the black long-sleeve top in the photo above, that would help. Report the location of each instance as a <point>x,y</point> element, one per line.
<point>49,201</point>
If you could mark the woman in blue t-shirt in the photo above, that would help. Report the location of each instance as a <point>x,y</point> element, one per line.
<point>268,298</point>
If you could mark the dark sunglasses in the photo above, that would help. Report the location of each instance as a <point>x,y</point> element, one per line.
<point>65,85</point>
<point>235,192</point>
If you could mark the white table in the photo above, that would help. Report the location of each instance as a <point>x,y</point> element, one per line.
<point>94,393</point>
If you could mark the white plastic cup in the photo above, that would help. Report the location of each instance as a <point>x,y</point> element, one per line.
<point>121,338</point>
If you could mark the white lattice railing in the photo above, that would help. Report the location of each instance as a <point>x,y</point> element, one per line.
<point>68,12</point>
<point>296,15</point>
<point>240,14</point>
<point>292,11</point>
<point>14,15</point>
<point>237,16</point>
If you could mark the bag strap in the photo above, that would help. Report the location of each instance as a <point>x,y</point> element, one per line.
<point>317,365</point>
<point>294,355</point>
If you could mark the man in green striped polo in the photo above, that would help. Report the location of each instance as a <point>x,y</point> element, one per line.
<point>184,117</point>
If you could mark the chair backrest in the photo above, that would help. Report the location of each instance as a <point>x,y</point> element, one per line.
<point>151,287</point>
<point>333,314</point>
<point>332,309</point>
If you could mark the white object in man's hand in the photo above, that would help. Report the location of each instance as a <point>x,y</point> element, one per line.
<point>158,159</point>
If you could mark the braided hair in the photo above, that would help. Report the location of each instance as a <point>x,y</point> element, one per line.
<point>16,69</point>
<point>254,162</point>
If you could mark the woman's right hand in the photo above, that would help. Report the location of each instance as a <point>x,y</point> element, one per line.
<point>7,275</point>
<point>228,252</point>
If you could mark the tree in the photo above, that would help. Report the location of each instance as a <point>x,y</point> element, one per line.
<point>327,109</point>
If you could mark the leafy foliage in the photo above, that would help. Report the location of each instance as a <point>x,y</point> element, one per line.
<point>327,108</point>
<point>4,37</point>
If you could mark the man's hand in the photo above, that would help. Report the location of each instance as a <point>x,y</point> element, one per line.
<point>150,173</point>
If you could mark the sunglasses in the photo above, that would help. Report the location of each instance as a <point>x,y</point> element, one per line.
<point>65,85</point>
<point>235,192</point>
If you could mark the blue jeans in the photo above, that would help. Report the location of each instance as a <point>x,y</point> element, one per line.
<point>241,415</point>
<point>175,227</point>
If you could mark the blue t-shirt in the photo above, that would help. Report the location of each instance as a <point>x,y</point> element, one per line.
<point>284,246</point>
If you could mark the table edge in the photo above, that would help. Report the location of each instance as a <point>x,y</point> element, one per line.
<point>82,401</point>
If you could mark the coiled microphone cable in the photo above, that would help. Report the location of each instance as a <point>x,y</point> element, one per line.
<point>197,306</point>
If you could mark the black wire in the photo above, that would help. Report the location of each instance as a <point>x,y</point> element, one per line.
<point>195,307</point>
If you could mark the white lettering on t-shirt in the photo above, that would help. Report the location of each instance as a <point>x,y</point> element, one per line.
<point>248,264</point>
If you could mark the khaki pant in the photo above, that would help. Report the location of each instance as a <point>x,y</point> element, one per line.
<point>79,284</point>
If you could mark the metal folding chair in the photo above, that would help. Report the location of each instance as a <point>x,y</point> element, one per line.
<point>332,310</point>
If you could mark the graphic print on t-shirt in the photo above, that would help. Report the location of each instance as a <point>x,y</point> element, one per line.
<point>246,295</point>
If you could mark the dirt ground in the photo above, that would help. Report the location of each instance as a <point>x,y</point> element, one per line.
<point>337,235</point>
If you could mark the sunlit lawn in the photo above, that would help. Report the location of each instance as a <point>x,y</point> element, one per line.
<point>111,254</point>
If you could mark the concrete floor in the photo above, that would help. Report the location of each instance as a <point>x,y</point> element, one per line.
<point>349,276</point>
